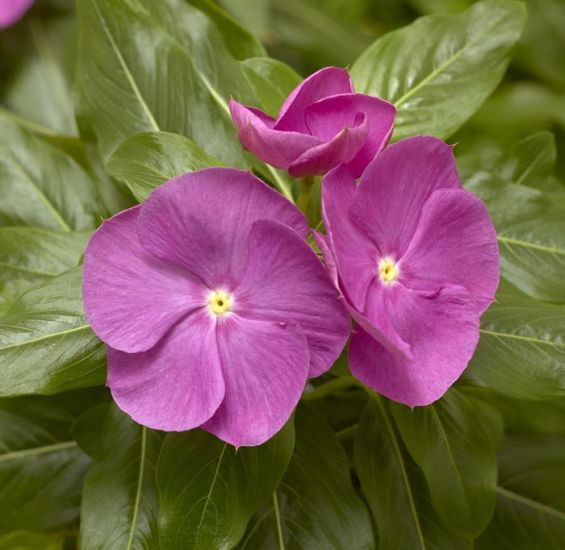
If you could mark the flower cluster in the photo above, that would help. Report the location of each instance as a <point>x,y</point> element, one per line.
<point>216,310</point>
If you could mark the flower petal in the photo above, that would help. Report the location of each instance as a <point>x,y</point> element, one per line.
<point>394,187</point>
<point>356,257</point>
<point>279,149</point>
<point>327,117</point>
<point>200,221</point>
<point>455,244</point>
<point>341,149</point>
<point>443,330</point>
<point>323,83</point>
<point>11,11</point>
<point>265,366</point>
<point>286,282</point>
<point>175,386</point>
<point>132,298</point>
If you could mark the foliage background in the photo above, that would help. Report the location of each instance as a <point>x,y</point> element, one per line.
<point>483,468</point>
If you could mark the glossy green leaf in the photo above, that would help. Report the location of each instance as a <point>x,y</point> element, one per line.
<point>450,442</point>
<point>394,487</point>
<point>41,467</point>
<point>145,161</point>
<point>41,186</point>
<point>208,491</point>
<point>439,70</point>
<point>46,345</point>
<point>521,352</point>
<point>119,500</point>
<point>315,505</point>
<point>146,67</point>
<point>30,256</point>
<point>272,81</point>
<point>530,508</point>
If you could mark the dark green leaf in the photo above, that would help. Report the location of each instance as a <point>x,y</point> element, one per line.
<point>441,68</point>
<point>315,506</point>
<point>208,491</point>
<point>119,501</point>
<point>450,441</point>
<point>26,540</point>
<point>521,352</point>
<point>394,487</point>
<point>46,345</point>
<point>145,161</point>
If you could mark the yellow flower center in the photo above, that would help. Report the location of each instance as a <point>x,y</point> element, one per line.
<point>388,270</point>
<point>220,302</point>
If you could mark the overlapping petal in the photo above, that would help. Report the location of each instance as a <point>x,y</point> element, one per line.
<point>132,298</point>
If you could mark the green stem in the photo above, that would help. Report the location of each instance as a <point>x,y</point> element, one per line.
<point>305,186</point>
<point>340,383</point>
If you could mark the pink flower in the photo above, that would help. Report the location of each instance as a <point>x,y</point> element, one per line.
<point>323,123</point>
<point>11,11</point>
<point>416,258</point>
<point>214,308</point>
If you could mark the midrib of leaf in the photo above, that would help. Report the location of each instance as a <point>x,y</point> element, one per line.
<point>126,69</point>
<point>278,522</point>
<point>137,500</point>
<point>520,337</point>
<point>530,167</point>
<point>403,472</point>
<point>41,338</point>
<point>26,123</point>
<point>13,267</point>
<point>38,450</point>
<point>440,69</point>
<point>543,508</point>
<point>526,244</point>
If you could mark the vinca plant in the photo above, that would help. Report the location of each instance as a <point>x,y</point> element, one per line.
<point>282,274</point>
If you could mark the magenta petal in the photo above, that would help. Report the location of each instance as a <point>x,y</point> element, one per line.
<point>279,149</point>
<point>286,282</point>
<point>355,255</point>
<point>175,386</point>
<point>455,244</point>
<point>395,186</point>
<point>341,149</point>
<point>265,366</point>
<point>443,330</point>
<point>132,298</point>
<point>323,83</point>
<point>11,11</point>
<point>200,221</point>
<point>328,116</point>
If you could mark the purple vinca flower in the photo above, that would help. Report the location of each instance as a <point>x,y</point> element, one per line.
<point>214,307</point>
<point>11,11</point>
<point>416,258</point>
<point>322,123</point>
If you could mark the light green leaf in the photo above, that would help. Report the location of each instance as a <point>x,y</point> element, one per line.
<point>30,256</point>
<point>26,540</point>
<point>41,467</point>
<point>208,491</point>
<point>315,505</point>
<point>394,488</point>
<point>530,511</point>
<point>450,442</point>
<point>119,500</point>
<point>46,345</point>
<point>41,186</point>
<point>521,352</point>
<point>440,69</point>
<point>145,161</point>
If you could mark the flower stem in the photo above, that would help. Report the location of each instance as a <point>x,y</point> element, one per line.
<point>340,383</point>
<point>305,186</point>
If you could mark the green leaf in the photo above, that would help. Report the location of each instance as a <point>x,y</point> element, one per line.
<point>46,345</point>
<point>119,500</point>
<point>145,161</point>
<point>30,256</point>
<point>272,81</point>
<point>521,352</point>
<point>41,186</point>
<point>315,506</point>
<point>25,540</point>
<point>146,67</point>
<point>394,488</point>
<point>208,491</point>
<point>41,467</point>
<point>439,70</point>
<point>530,511</point>
<point>450,442</point>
